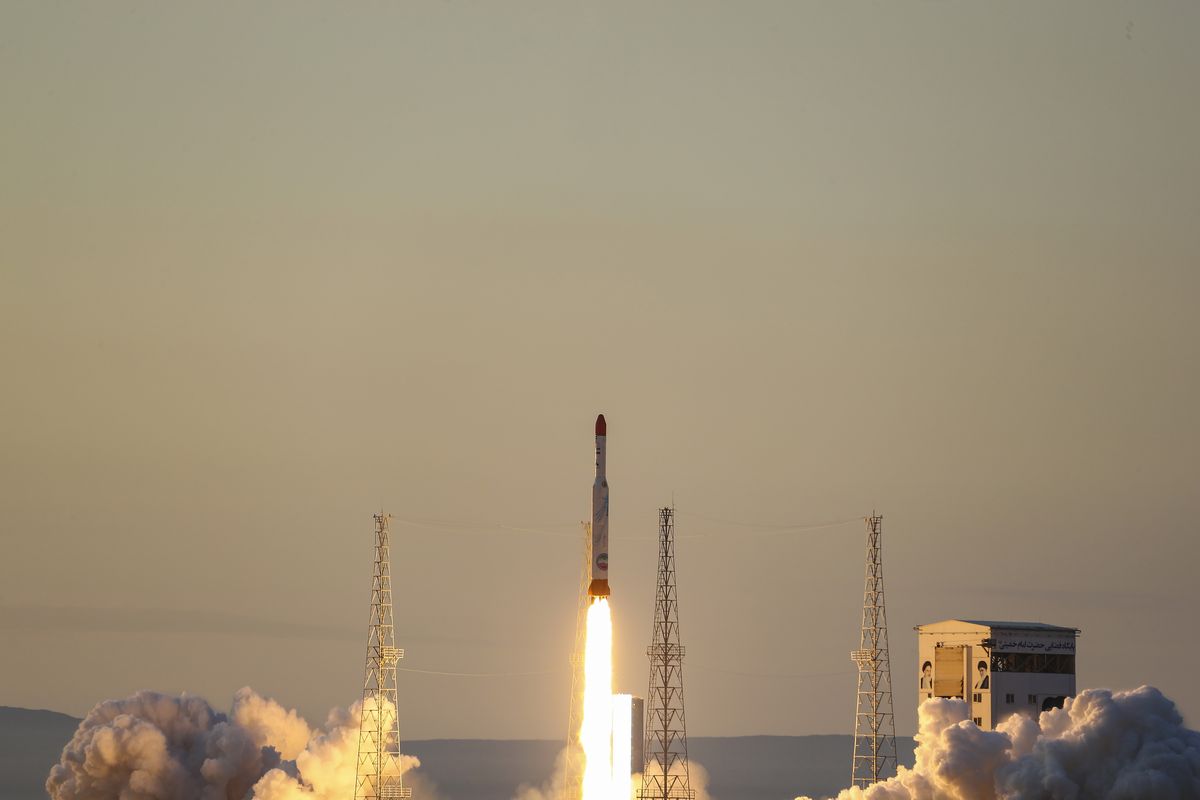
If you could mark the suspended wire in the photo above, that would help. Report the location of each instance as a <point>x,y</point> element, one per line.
<point>771,529</point>
<point>539,531</point>
<point>482,528</point>
<point>480,674</point>
<point>806,528</point>
<point>756,529</point>
<point>795,675</point>
<point>543,673</point>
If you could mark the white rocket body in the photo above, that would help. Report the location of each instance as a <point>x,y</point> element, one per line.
<point>599,585</point>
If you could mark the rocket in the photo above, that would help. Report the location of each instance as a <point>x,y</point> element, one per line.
<point>599,585</point>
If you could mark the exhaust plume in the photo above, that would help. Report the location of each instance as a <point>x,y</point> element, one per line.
<point>153,746</point>
<point>595,735</point>
<point>555,786</point>
<point>1102,745</point>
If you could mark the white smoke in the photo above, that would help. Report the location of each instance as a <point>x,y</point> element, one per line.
<point>325,770</point>
<point>159,747</point>
<point>1102,745</point>
<point>697,779</point>
<point>554,788</point>
<point>270,724</point>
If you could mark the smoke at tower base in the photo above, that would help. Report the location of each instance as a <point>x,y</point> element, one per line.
<point>153,745</point>
<point>1102,745</point>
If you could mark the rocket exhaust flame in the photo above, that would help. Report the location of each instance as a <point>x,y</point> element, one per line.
<point>595,735</point>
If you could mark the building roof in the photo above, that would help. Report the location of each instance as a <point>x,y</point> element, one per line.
<point>1020,626</point>
<point>998,625</point>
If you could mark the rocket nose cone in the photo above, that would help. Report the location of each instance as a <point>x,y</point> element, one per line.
<point>601,426</point>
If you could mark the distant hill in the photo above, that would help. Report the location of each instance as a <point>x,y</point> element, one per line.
<point>30,744</point>
<point>740,768</point>
<point>779,767</point>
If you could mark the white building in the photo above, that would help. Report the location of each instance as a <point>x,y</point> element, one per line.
<point>999,668</point>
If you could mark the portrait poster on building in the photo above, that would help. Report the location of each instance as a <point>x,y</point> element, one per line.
<point>982,680</point>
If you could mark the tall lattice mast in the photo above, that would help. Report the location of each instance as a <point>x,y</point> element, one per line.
<point>666,774</point>
<point>379,767</point>
<point>874,724</point>
<point>572,786</point>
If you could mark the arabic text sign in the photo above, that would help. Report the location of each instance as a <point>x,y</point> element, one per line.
<point>1018,644</point>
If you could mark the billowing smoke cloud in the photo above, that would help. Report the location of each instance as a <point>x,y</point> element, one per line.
<point>270,724</point>
<point>159,747</point>
<point>1102,745</point>
<point>325,770</point>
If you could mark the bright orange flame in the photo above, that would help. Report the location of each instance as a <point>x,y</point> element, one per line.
<point>595,734</point>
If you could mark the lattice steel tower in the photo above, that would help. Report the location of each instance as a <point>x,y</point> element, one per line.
<point>666,774</point>
<point>379,765</point>
<point>874,724</point>
<point>572,785</point>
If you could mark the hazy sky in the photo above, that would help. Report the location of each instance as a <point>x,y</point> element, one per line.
<point>265,268</point>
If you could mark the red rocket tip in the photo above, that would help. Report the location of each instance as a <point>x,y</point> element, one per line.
<point>601,426</point>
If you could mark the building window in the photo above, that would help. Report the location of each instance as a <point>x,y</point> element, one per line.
<point>1010,699</point>
<point>1033,699</point>
<point>1043,663</point>
<point>978,721</point>
<point>976,698</point>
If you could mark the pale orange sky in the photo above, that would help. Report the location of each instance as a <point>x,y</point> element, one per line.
<point>267,268</point>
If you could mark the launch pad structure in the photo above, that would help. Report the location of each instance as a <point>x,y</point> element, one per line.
<point>666,776</point>
<point>378,772</point>
<point>874,723</point>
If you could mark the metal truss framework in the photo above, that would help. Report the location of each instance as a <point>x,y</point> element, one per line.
<point>666,774</point>
<point>379,768</point>
<point>874,722</point>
